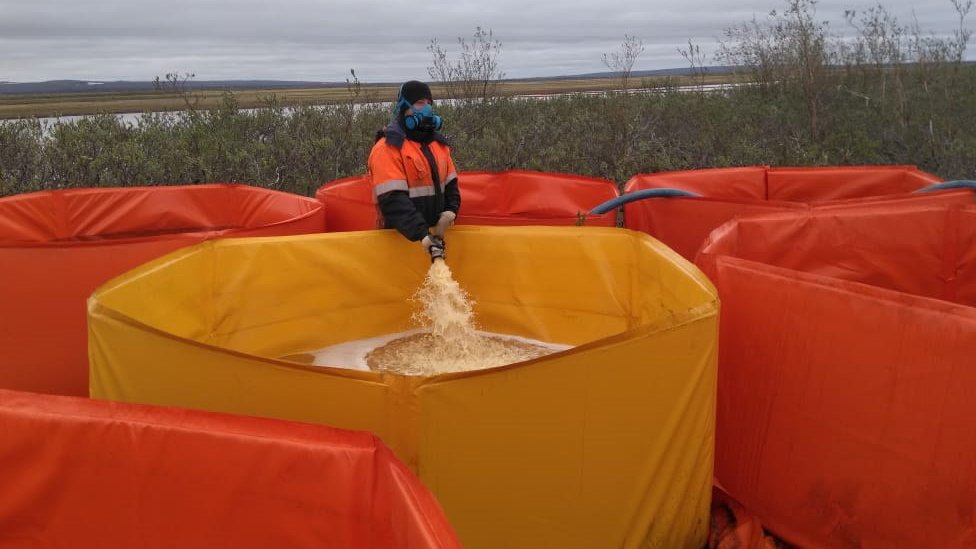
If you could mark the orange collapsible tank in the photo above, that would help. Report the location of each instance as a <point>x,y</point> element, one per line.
<point>846,377</point>
<point>56,247</point>
<point>125,475</point>
<point>683,222</point>
<point>513,197</point>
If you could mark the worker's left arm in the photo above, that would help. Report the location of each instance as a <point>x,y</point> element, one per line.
<point>452,194</point>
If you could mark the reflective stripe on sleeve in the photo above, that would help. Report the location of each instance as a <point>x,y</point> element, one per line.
<point>427,190</point>
<point>450,176</point>
<point>391,185</point>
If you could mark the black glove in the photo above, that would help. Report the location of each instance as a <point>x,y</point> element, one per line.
<point>433,245</point>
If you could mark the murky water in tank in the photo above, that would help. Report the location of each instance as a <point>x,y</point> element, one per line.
<point>416,352</point>
<point>448,343</point>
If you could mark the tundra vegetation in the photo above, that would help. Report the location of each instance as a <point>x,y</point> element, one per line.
<point>884,92</point>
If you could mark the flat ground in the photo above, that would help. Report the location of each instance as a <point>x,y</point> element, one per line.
<point>64,104</point>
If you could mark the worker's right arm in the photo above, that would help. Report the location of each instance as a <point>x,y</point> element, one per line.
<point>389,181</point>
<point>400,213</point>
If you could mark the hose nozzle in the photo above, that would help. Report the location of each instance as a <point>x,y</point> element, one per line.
<point>436,249</point>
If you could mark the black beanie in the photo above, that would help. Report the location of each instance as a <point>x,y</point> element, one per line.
<point>414,91</point>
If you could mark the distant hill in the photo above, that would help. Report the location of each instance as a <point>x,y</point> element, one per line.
<point>633,74</point>
<point>83,86</point>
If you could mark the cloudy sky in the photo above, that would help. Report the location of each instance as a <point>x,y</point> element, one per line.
<point>320,40</point>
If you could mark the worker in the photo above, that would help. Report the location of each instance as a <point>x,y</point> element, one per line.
<point>412,174</point>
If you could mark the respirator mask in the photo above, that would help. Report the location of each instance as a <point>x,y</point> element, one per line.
<point>422,119</point>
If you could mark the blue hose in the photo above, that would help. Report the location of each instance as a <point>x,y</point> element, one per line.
<point>959,184</point>
<point>639,195</point>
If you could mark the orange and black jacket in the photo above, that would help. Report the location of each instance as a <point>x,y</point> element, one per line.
<point>413,182</point>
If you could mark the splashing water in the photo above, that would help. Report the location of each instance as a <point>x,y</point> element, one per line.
<point>452,343</point>
<point>445,309</point>
<point>448,340</point>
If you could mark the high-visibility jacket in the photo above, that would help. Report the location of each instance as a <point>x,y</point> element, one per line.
<point>413,183</point>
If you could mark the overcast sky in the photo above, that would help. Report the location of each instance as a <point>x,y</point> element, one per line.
<point>320,40</point>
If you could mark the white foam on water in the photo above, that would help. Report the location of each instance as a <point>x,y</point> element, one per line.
<point>352,354</point>
<point>450,342</point>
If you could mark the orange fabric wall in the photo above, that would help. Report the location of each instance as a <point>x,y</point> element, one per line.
<point>85,473</point>
<point>844,408</point>
<point>919,250</point>
<point>965,248</point>
<point>514,197</point>
<point>747,183</point>
<point>518,197</point>
<point>349,205</point>
<point>843,182</point>
<point>56,247</point>
<point>684,223</point>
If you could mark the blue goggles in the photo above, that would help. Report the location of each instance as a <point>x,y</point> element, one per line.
<point>426,110</point>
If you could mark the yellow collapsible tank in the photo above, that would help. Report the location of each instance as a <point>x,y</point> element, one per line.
<point>607,444</point>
